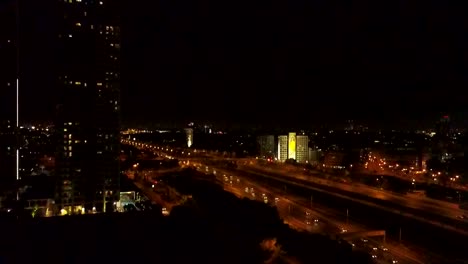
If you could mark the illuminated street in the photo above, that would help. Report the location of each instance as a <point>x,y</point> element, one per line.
<point>298,211</point>
<point>304,215</point>
<point>413,201</point>
<point>417,202</point>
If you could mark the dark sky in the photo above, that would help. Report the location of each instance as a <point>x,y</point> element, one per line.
<point>301,61</point>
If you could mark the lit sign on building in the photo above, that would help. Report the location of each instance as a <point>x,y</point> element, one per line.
<point>189,136</point>
<point>292,146</point>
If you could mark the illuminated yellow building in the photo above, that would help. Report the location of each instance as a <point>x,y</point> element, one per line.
<point>292,145</point>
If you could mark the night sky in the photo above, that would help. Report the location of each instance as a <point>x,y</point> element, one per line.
<point>269,61</point>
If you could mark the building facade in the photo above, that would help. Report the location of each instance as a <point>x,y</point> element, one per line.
<point>292,143</point>
<point>302,149</point>
<point>282,148</point>
<point>189,136</point>
<point>266,146</point>
<point>88,109</point>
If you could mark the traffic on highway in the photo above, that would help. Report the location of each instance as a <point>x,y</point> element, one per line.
<point>304,213</point>
<point>308,216</point>
<point>416,202</point>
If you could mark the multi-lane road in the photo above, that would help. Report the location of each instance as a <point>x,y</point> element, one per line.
<point>413,202</point>
<point>417,202</point>
<point>303,214</point>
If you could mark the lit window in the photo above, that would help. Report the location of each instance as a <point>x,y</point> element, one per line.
<point>65,130</point>
<point>78,24</point>
<point>70,123</point>
<point>70,35</point>
<point>99,84</point>
<point>92,26</point>
<point>70,148</point>
<point>70,136</point>
<point>70,154</point>
<point>77,83</point>
<point>100,2</point>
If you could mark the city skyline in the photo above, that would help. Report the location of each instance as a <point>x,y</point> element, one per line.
<point>259,127</point>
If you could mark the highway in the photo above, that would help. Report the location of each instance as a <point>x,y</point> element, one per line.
<point>422,204</point>
<point>303,214</point>
<point>431,209</point>
<point>415,202</point>
<point>378,163</point>
<point>432,251</point>
<point>418,202</point>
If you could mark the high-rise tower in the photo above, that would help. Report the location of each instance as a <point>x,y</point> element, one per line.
<point>282,148</point>
<point>292,143</point>
<point>302,148</point>
<point>88,109</point>
<point>266,145</point>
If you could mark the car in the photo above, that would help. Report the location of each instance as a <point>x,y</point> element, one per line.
<point>164,211</point>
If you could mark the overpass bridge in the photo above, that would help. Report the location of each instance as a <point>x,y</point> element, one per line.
<point>182,153</point>
<point>373,233</point>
